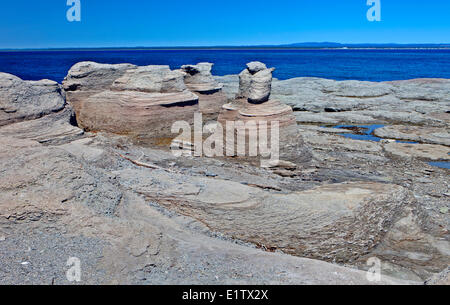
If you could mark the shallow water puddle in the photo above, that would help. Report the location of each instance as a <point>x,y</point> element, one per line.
<point>364,133</point>
<point>361,132</point>
<point>440,164</point>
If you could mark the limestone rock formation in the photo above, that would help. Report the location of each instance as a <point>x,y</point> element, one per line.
<point>252,105</point>
<point>55,128</point>
<point>88,78</point>
<point>338,222</point>
<point>317,100</point>
<point>35,110</point>
<point>152,79</point>
<point>255,82</point>
<point>256,66</point>
<point>260,86</point>
<point>245,79</point>
<point>26,100</point>
<point>142,102</point>
<point>199,80</point>
<point>140,215</point>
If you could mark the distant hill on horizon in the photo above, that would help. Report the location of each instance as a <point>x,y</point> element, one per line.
<point>361,45</point>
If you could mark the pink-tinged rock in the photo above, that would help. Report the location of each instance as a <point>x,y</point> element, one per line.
<point>142,102</point>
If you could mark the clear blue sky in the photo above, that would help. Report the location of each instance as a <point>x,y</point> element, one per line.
<point>114,23</point>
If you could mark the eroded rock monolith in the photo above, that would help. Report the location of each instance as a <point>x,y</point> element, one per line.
<point>198,79</point>
<point>142,102</point>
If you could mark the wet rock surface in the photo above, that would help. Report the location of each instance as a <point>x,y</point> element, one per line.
<point>138,214</point>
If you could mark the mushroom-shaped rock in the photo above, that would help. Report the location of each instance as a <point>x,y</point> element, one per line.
<point>255,110</point>
<point>260,86</point>
<point>198,78</point>
<point>255,83</point>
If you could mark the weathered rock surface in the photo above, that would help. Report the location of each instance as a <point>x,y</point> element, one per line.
<point>68,205</point>
<point>88,78</point>
<point>129,100</point>
<point>442,278</point>
<point>253,109</point>
<point>260,86</point>
<point>419,102</point>
<point>26,100</point>
<point>55,128</point>
<point>428,135</point>
<point>339,222</point>
<point>198,79</point>
<point>256,66</point>
<point>137,114</point>
<point>92,76</point>
<point>139,215</point>
<point>427,152</point>
<point>151,79</point>
<point>255,83</point>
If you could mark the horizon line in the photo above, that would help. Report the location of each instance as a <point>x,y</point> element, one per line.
<point>300,45</point>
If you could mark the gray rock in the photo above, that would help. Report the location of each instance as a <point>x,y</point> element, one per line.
<point>428,135</point>
<point>92,76</point>
<point>150,79</point>
<point>199,78</point>
<point>419,102</point>
<point>55,128</point>
<point>245,80</point>
<point>260,86</point>
<point>426,152</point>
<point>255,66</point>
<point>26,100</point>
<point>255,83</point>
<point>125,99</point>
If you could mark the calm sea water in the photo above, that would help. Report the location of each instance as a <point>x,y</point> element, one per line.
<point>370,65</point>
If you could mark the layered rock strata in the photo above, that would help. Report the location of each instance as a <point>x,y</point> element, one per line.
<point>26,100</point>
<point>142,102</point>
<point>35,110</point>
<point>198,79</point>
<point>254,108</point>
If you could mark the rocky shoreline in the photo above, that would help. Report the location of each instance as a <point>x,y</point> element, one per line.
<point>86,171</point>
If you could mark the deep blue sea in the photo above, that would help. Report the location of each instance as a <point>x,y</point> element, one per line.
<point>370,65</point>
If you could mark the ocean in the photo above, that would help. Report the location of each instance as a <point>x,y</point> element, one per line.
<point>337,64</point>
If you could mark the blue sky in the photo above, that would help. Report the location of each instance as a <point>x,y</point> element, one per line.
<point>114,23</point>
